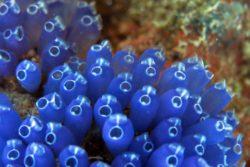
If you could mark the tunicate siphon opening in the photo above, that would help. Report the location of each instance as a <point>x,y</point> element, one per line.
<point>4,56</point>
<point>125,86</point>
<point>148,146</point>
<point>69,85</point>
<point>172,160</point>
<point>237,149</point>
<point>24,131</point>
<point>129,165</point>
<point>32,9</point>
<point>173,131</point>
<point>105,111</point>
<point>87,20</point>
<point>151,71</point>
<point>96,47</point>
<point>97,70</point>
<point>76,110</point>
<point>42,103</point>
<point>57,75</point>
<point>145,100</point>
<point>49,26</point>
<point>219,125</point>
<point>71,162</point>
<point>116,133</point>
<point>129,59</point>
<point>7,33</point>
<point>176,101</point>
<point>199,149</point>
<point>3,9</point>
<point>180,75</point>
<point>29,161</point>
<point>13,154</point>
<point>21,75</point>
<point>50,138</point>
<point>198,109</point>
<point>54,51</point>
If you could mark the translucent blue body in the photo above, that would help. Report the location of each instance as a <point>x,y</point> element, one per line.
<point>82,22</point>
<point>29,75</point>
<point>77,64</point>
<point>172,78</point>
<point>193,111</point>
<point>192,61</point>
<point>216,98</point>
<point>98,51</point>
<point>213,129</point>
<point>51,108</point>
<point>73,85</point>
<point>55,53</point>
<point>78,117</point>
<point>99,76</point>
<point>39,155</point>
<point>62,8</point>
<point>73,156</point>
<point>52,29</point>
<point>13,152</point>
<point>32,129</point>
<point>117,133</point>
<point>10,15</point>
<point>195,161</point>
<point>36,14</point>
<point>144,105</point>
<point>157,54</point>
<point>167,131</point>
<point>127,159</point>
<point>16,40</point>
<point>124,61</point>
<point>8,62</point>
<point>99,164</point>
<point>5,101</point>
<point>104,107</point>
<point>122,87</point>
<point>85,31</point>
<point>143,146</point>
<point>55,77</point>
<point>173,103</point>
<point>2,145</point>
<point>83,8</point>
<point>210,153</point>
<point>23,4</point>
<point>195,145</point>
<point>236,147</point>
<point>55,133</point>
<point>146,73</point>
<point>2,41</point>
<point>167,155</point>
<point>230,118</point>
<point>10,121</point>
<point>198,77</point>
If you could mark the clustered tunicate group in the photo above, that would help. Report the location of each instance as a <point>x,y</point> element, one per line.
<point>57,29</point>
<point>148,114</point>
